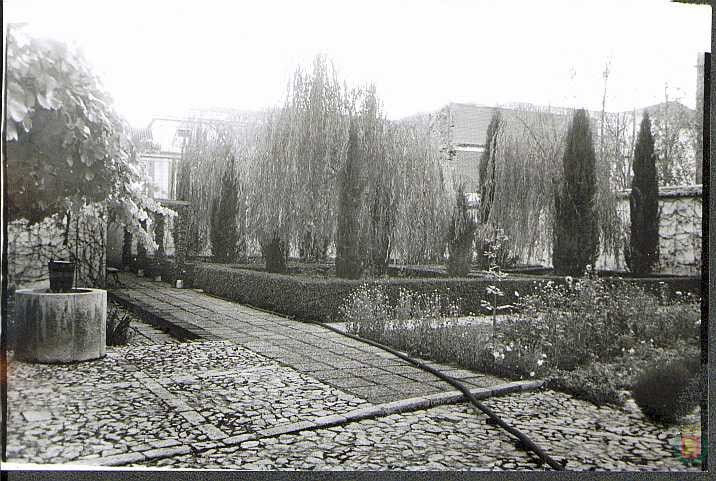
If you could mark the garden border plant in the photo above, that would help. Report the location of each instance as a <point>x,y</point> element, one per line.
<point>578,336</point>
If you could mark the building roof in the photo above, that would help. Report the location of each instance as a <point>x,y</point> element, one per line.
<point>469,123</point>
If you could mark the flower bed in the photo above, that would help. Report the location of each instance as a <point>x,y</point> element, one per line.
<point>591,338</point>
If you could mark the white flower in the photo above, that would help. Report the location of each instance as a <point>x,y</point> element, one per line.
<point>508,349</point>
<point>540,362</point>
<point>544,356</point>
<point>502,355</point>
<point>532,374</point>
<point>678,293</point>
<point>517,294</point>
<point>631,351</point>
<point>569,279</point>
<point>495,354</point>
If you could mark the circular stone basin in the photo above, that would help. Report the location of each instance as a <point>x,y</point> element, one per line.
<point>60,326</point>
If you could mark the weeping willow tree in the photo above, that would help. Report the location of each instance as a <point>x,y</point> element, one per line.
<point>528,152</point>
<point>300,152</point>
<point>425,197</point>
<point>326,168</point>
<point>205,160</point>
<point>406,203</point>
<point>318,146</point>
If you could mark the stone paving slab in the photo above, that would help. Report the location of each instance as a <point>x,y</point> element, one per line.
<point>333,359</point>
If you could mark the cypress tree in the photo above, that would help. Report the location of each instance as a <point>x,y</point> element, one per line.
<point>349,258</point>
<point>644,204</point>
<point>487,168</point>
<point>576,234</point>
<point>224,231</point>
<point>460,236</point>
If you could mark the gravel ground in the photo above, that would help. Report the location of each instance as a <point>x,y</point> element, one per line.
<point>453,438</point>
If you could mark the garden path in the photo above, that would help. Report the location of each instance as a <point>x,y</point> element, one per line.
<point>354,367</point>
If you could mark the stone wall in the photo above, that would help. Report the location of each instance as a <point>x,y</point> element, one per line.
<point>679,231</point>
<point>30,248</point>
<point>679,234</point>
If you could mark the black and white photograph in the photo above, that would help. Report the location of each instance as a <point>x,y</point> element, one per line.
<point>430,236</point>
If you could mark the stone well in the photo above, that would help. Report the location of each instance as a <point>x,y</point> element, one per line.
<point>60,327</point>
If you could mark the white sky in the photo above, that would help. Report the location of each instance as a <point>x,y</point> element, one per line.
<point>162,57</point>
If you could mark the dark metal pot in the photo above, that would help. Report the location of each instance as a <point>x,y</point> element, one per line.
<point>62,275</point>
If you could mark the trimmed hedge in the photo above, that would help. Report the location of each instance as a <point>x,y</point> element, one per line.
<point>316,298</point>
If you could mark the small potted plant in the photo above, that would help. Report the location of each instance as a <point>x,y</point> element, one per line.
<point>152,269</point>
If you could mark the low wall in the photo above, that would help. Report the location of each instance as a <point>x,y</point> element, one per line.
<point>308,298</point>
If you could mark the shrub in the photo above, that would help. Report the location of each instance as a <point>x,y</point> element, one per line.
<point>320,298</point>
<point>118,326</point>
<point>576,231</point>
<point>595,383</point>
<point>644,204</point>
<point>666,392</point>
<point>274,251</point>
<point>460,237</point>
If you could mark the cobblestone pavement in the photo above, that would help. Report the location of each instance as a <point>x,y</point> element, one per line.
<point>352,366</point>
<point>453,438</point>
<point>143,399</point>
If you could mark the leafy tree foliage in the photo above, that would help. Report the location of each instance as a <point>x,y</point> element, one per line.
<point>576,230</point>
<point>66,146</point>
<point>644,204</point>
<point>674,131</point>
<point>224,231</point>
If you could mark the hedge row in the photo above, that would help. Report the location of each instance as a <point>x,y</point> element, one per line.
<point>309,298</point>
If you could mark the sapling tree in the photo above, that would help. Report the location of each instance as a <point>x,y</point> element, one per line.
<point>576,230</point>
<point>495,272</point>
<point>644,204</point>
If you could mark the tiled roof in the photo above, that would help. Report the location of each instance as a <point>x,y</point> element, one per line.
<point>470,123</point>
<point>466,169</point>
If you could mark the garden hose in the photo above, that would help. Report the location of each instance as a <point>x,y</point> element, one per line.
<point>524,442</point>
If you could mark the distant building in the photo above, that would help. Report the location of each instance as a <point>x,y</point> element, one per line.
<point>463,131</point>
<point>161,143</point>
